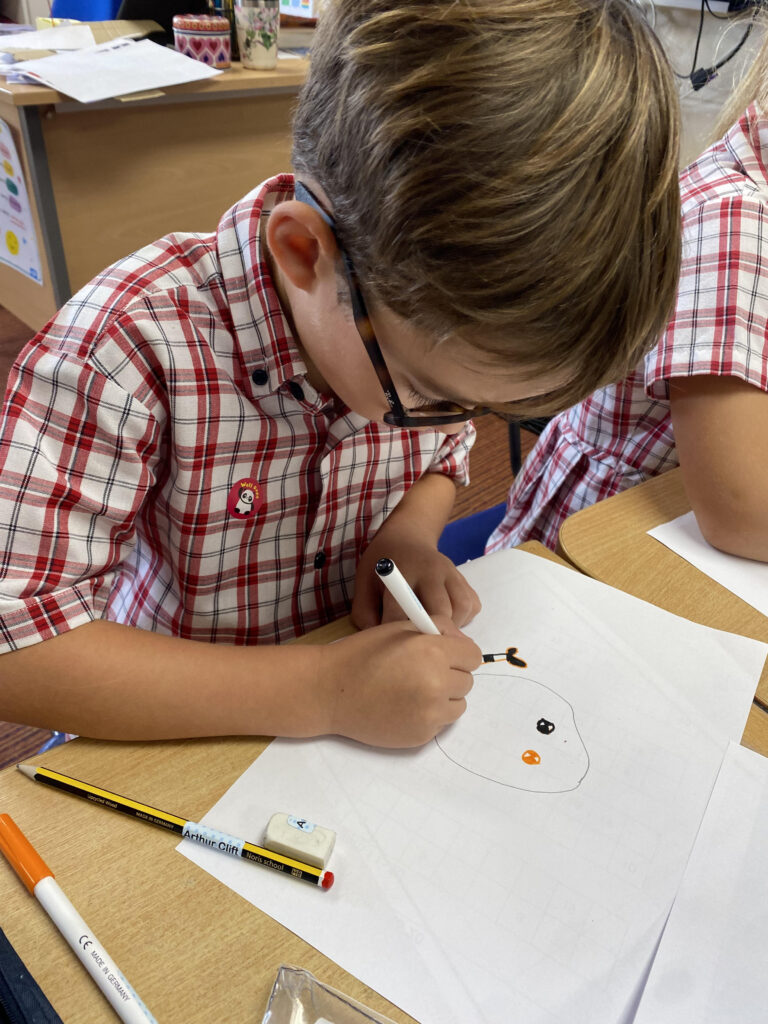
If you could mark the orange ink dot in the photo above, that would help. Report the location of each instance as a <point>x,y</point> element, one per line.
<point>531,757</point>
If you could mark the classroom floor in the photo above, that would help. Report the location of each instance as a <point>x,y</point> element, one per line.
<point>491,477</point>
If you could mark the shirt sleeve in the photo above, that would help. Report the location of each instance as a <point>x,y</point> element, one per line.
<point>720,323</point>
<point>452,457</point>
<point>77,460</point>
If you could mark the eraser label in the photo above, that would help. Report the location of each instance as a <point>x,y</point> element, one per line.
<point>302,824</point>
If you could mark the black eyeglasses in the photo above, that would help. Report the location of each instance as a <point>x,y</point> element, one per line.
<point>437,413</point>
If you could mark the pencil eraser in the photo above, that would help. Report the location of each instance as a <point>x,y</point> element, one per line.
<point>299,838</point>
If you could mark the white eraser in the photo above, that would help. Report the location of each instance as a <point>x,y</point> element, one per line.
<point>299,838</point>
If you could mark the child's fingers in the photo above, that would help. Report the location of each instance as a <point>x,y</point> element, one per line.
<point>433,595</point>
<point>461,684</point>
<point>456,709</point>
<point>462,654</point>
<point>452,597</point>
<point>465,603</point>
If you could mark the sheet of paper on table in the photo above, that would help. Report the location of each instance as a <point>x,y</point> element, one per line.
<point>521,866</point>
<point>116,68</point>
<point>710,966</point>
<point>63,37</point>
<point>744,577</point>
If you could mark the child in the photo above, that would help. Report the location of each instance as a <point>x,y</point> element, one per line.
<point>207,450</point>
<point>699,399</point>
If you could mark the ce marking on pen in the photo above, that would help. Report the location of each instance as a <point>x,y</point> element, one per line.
<point>85,944</point>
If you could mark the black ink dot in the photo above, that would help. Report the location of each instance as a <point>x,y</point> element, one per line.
<point>544,726</point>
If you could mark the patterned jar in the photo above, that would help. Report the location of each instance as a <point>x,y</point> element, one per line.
<point>257,27</point>
<point>204,37</point>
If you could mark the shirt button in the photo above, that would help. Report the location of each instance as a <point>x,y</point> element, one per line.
<point>296,390</point>
<point>260,376</point>
<point>319,559</point>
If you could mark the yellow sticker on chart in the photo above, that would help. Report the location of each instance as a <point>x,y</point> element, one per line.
<point>19,248</point>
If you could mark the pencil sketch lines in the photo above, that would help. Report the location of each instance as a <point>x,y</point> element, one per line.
<point>517,732</point>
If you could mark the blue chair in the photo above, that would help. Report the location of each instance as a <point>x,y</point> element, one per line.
<point>85,10</point>
<point>465,538</point>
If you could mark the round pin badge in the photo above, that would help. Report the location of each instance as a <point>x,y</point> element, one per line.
<point>244,499</point>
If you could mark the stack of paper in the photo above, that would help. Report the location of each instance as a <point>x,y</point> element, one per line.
<point>59,39</point>
<point>116,68</point>
<point>522,866</point>
<point>710,966</point>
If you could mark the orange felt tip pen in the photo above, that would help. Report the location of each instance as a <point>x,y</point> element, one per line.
<point>39,880</point>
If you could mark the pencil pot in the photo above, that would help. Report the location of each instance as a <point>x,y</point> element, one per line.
<point>204,37</point>
<point>257,24</point>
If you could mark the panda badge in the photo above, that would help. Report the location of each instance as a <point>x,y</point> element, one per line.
<point>244,499</point>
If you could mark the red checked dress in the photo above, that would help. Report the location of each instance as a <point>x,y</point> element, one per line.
<point>622,434</point>
<point>165,463</point>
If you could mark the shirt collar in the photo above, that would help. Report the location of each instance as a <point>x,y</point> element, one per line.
<point>261,329</point>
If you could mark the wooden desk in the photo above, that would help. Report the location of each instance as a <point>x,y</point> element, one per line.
<point>609,541</point>
<point>195,950</point>
<point>106,178</point>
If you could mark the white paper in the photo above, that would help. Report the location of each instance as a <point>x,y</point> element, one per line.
<point>711,964</point>
<point>18,241</point>
<point>462,896</point>
<point>744,577</point>
<point>65,37</point>
<point>116,68</point>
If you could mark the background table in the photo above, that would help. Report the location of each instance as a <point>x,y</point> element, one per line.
<point>194,950</point>
<point>609,541</point>
<point>106,178</point>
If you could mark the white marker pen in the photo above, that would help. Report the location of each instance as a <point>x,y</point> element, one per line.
<point>39,880</point>
<point>398,587</point>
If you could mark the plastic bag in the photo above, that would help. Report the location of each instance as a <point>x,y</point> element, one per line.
<point>299,998</point>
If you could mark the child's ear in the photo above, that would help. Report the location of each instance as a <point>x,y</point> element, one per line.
<point>301,243</point>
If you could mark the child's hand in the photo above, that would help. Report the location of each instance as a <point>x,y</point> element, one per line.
<point>437,582</point>
<point>395,687</point>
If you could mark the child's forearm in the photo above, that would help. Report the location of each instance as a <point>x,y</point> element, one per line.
<point>390,686</point>
<point>425,508</point>
<point>410,536</point>
<point>721,434</point>
<point>110,681</point>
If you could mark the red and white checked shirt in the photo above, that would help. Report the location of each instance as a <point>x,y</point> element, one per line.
<point>622,434</point>
<point>165,463</point>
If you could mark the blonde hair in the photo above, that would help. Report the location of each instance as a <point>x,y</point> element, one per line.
<point>504,171</point>
<point>753,87</point>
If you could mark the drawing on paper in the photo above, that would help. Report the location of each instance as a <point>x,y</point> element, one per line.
<point>510,656</point>
<point>517,732</point>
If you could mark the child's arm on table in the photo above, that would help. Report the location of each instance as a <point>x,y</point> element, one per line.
<point>409,536</point>
<point>389,686</point>
<point>721,433</point>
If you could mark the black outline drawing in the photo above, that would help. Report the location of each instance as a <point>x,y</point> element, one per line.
<point>510,785</point>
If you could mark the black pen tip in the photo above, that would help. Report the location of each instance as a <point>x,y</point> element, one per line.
<point>384,566</point>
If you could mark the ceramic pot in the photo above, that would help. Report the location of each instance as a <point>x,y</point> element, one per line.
<point>257,24</point>
<point>204,37</point>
